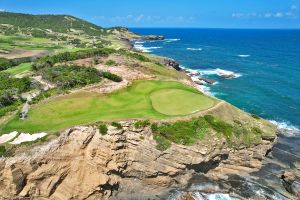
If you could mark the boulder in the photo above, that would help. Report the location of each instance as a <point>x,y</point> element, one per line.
<point>291,182</point>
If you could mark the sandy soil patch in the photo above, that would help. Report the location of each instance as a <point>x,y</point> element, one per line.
<point>125,72</point>
<point>19,53</point>
<point>107,86</point>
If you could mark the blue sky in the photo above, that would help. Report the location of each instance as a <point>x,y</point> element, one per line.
<point>170,13</point>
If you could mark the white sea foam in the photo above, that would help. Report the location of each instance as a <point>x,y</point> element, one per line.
<point>285,125</point>
<point>220,72</point>
<point>194,49</point>
<point>139,42</point>
<point>171,40</point>
<point>244,55</point>
<point>26,137</point>
<point>144,49</point>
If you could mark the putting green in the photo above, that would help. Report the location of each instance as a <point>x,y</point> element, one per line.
<point>141,100</point>
<point>179,102</point>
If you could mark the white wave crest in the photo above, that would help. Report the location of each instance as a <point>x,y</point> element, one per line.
<point>171,40</point>
<point>144,49</point>
<point>220,72</point>
<point>194,49</point>
<point>139,42</point>
<point>285,125</point>
<point>244,55</point>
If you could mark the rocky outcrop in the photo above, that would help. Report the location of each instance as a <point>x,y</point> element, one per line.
<point>151,37</point>
<point>291,182</point>
<point>123,164</point>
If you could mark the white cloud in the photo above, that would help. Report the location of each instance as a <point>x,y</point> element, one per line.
<point>145,18</point>
<point>278,14</point>
<point>2,10</point>
<point>294,7</point>
<point>139,18</point>
<point>291,13</point>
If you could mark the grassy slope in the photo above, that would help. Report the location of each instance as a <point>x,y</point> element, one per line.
<point>86,107</point>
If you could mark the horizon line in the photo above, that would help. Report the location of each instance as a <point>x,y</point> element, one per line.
<point>208,28</point>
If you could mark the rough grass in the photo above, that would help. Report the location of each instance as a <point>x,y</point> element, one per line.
<point>179,102</point>
<point>87,107</point>
<point>238,135</point>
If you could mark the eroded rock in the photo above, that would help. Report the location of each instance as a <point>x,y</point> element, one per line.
<point>83,164</point>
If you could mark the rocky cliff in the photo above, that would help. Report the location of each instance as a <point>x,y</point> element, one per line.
<point>123,164</point>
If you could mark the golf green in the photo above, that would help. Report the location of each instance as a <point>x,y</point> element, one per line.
<point>142,100</point>
<point>179,102</point>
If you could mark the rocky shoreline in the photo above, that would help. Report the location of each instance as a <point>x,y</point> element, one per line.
<point>124,164</point>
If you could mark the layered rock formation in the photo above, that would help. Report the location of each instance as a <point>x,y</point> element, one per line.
<point>124,164</point>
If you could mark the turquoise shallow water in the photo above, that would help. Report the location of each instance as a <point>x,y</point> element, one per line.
<point>267,63</point>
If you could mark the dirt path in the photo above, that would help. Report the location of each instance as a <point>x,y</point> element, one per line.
<point>20,53</point>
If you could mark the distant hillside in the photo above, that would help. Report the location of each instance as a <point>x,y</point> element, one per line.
<point>62,28</point>
<point>55,23</point>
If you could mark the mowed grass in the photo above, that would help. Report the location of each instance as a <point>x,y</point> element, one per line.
<point>131,102</point>
<point>179,102</point>
<point>22,68</point>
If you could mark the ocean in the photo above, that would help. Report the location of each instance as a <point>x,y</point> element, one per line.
<point>265,64</point>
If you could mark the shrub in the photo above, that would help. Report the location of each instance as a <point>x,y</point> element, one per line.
<point>139,57</point>
<point>257,131</point>
<point>182,132</point>
<point>110,63</point>
<point>117,125</point>
<point>8,63</point>
<point>4,64</point>
<point>162,143</point>
<point>255,116</point>
<point>220,126</point>
<point>2,150</point>
<point>49,61</point>
<point>46,94</point>
<point>67,77</point>
<point>103,129</point>
<point>10,108</point>
<point>112,77</point>
<point>141,124</point>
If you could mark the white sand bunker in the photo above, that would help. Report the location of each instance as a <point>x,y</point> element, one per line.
<point>7,137</point>
<point>26,137</point>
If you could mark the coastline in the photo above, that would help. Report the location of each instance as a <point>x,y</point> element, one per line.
<point>199,77</point>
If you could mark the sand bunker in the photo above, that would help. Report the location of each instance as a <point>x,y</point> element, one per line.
<point>26,137</point>
<point>7,137</point>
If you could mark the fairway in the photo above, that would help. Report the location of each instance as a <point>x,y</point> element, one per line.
<point>134,101</point>
<point>22,68</point>
<point>179,102</point>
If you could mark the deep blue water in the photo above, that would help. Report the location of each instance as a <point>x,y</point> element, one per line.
<point>269,84</point>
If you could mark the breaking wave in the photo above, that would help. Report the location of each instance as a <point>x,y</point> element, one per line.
<point>285,125</point>
<point>220,72</point>
<point>171,40</point>
<point>194,49</point>
<point>140,47</point>
<point>244,55</point>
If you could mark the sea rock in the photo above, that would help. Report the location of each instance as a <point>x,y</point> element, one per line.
<point>228,76</point>
<point>172,63</point>
<point>291,182</point>
<point>209,81</point>
<point>152,37</point>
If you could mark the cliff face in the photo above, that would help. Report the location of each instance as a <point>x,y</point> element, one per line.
<point>124,164</point>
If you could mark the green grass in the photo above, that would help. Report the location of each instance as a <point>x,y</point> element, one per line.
<point>87,107</point>
<point>22,68</point>
<point>179,102</point>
